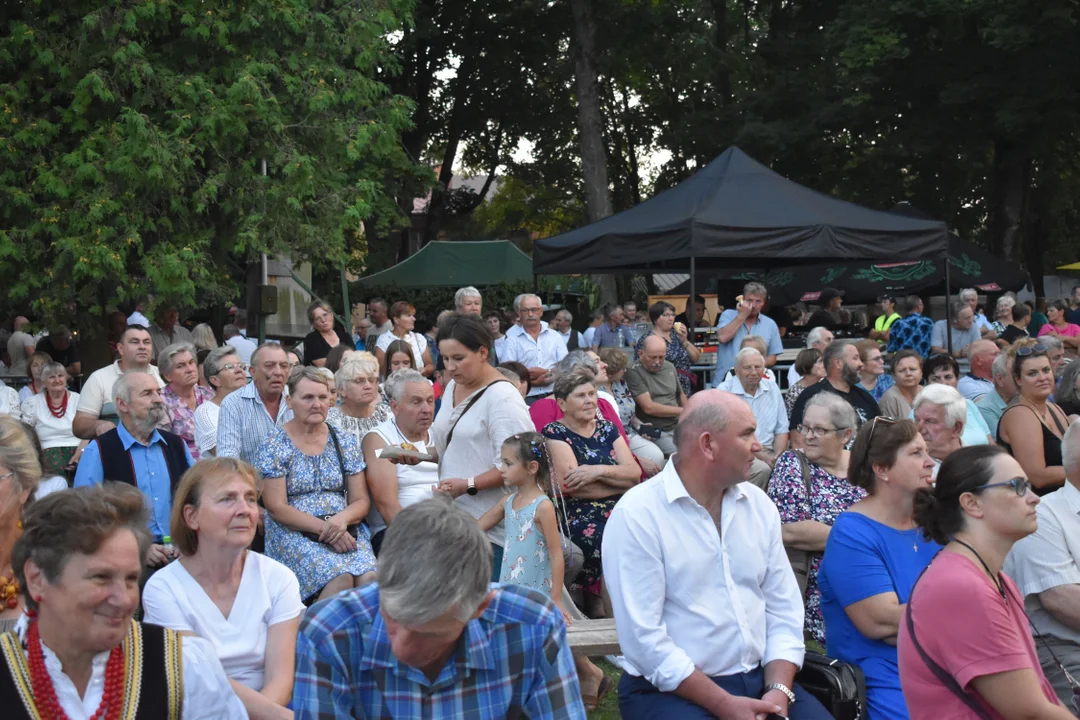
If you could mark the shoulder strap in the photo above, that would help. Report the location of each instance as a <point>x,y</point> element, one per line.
<point>468,406</point>
<point>340,459</point>
<point>804,468</point>
<point>1057,420</point>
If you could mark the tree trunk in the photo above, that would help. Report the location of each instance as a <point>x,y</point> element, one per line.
<point>1009,198</point>
<point>723,72</point>
<point>590,129</point>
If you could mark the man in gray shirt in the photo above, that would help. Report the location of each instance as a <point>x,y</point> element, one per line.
<point>654,384</point>
<point>962,329</point>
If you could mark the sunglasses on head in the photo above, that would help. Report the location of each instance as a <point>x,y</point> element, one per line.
<point>873,426</point>
<point>1036,349</point>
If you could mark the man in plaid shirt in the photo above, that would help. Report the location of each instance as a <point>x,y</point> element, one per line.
<point>432,639</point>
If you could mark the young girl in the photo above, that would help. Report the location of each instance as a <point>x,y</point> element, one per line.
<point>398,355</point>
<point>532,554</point>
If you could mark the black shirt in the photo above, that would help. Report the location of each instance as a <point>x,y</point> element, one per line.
<point>64,357</point>
<point>780,315</point>
<point>1012,333</point>
<point>316,348</point>
<point>866,408</point>
<point>821,318</point>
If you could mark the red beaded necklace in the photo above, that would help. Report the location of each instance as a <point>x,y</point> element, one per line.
<point>45,695</point>
<point>60,410</point>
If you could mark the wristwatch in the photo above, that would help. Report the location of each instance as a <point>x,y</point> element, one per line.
<point>784,689</point>
<point>472,490</point>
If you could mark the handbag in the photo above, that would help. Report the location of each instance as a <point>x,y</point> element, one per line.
<point>353,529</point>
<point>801,559</point>
<point>839,686</point>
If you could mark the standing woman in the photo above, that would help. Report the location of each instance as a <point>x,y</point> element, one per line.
<point>873,557</point>
<point>873,378</point>
<point>1032,427</point>
<point>811,369</point>
<point>965,646</point>
<point>327,334</point>
<point>1068,332</point>
<point>403,316</point>
<point>20,472</point>
<point>480,409</point>
<point>680,351</point>
<point>907,381</point>
<point>361,407</point>
<point>33,371</point>
<point>315,494</point>
<point>51,413</point>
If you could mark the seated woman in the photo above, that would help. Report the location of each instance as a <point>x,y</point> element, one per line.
<point>811,370</point>
<point>315,494</point>
<point>245,604</point>
<point>34,366</point>
<point>940,416</point>
<point>361,407</point>
<point>546,410</point>
<point>642,447</point>
<point>965,647</point>
<point>873,378</point>
<point>594,466</point>
<point>873,557</point>
<point>811,491</point>
<point>907,381</point>
<point>680,351</point>
<point>1067,332</point>
<point>945,370</point>
<point>20,479</point>
<point>1031,427</point>
<point>51,413</point>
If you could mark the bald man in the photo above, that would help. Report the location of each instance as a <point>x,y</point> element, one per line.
<point>979,380</point>
<point>690,626</point>
<point>654,385</point>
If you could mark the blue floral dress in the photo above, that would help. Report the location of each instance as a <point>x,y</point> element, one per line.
<point>587,518</point>
<point>676,355</point>
<point>314,485</point>
<point>526,560</point>
<point>829,496</point>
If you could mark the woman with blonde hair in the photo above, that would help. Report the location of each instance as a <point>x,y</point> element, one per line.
<point>245,604</point>
<point>360,405</point>
<point>20,473</point>
<point>203,338</point>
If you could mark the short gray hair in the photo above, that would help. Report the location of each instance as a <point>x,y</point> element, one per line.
<point>167,357</point>
<point>121,389</point>
<point>841,414</point>
<point>268,345</point>
<point>815,335</point>
<point>230,331</point>
<point>307,372</point>
<point>1004,301</point>
<point>945,397</point>
<point>1000,366</point>
<point>394,387</point>
<point>1070,447</point>
<point>353,368</point>
<point>51,368</point>
<point>521,298</point>
<point>571,362</point>
<point>1052,342</point>
<point>1065,394</point>
<point>957,307</point>
<point>968,291</point>
<point>565,314</point>
<point>745,352</point>
<point>435,559</point>
<point>212,364</point>
<point>756,289</point>
<point>465,292</point>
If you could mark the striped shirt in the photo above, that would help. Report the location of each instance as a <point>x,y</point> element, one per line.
<point>244,423</point>
<point>512,661</point>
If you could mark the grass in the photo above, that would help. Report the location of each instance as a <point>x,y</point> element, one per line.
<point>609,707</point>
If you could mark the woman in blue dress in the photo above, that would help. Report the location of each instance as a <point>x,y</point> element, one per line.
<point>873,557</point>
<point>680,351</point>
<point>315,494</point>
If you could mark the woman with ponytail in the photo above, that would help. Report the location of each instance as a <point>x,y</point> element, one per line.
<point>874,555</point>
<point>965,645</point>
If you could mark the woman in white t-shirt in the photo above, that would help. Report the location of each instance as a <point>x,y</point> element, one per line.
<point>403,316</point>
<point>244,603</point>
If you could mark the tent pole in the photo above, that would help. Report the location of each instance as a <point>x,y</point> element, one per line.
<point>691,315</point>
<point>948,305</point>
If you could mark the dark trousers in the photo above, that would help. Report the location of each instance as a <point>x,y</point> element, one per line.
<point>496,562</point>
<point>640,700</point>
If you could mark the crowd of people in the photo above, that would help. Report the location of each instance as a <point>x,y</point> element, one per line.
<point>401,521</point>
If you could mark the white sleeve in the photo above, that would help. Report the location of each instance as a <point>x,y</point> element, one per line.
<point>1042,560</point>
<point>384,341</point>
<point>207,692</point>
<point>205,428</point>
<point>784,612</point>
<point>90,397</point>
<point>507,414</point>
<point>162,604</point>
<point>284,588</point>
<point>29,412</point>
<point>14,403</point>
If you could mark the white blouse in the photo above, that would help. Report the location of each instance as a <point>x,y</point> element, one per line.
<point>269,594</point>
<point>51,431</point>
<point>207,692</point>
<point>206,422</point>
<point>9,401</point>
<point>417,341</point>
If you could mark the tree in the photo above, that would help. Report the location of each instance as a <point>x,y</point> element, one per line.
<point>131,136</point>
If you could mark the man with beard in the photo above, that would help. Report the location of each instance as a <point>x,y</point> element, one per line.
<point>396,486</point>
<point>96,413</point>
<point>248,415</point>
<point>136,452</point>
<point>842,366</point>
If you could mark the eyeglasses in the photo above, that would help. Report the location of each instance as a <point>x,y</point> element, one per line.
<point>1019,485</point>
<point>873,427</point>
<point>234,366</point>
<point>1027,350</point>
<point>530,309</point>
<point>5,477</point>
<point>808,431</point>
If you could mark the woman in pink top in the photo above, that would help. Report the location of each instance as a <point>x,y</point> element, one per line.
<point>965,646</point>
<point>1058,325</point>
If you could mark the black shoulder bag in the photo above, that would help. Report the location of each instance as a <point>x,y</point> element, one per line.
<point>838,685</point>
<point>353,529</point>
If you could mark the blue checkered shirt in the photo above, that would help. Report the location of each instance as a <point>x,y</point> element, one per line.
<point>512,662</point>
<point>911,333</point>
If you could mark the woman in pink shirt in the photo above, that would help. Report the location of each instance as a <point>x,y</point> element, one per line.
<point>965,645</point>
<point>1058,325</point>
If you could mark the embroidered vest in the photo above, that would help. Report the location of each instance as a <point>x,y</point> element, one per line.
<point>116,462</point>
<point>153,684</point>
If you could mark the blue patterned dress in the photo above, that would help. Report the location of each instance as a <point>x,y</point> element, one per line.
<point>587,518</point>
<point>526,560</point>
<point>314,485</point>
<point>676,355</point>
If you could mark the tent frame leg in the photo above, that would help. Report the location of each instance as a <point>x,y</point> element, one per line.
<point>948,305</point>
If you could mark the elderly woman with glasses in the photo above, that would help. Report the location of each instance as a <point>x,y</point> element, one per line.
<point>1032,427</point>
<point>965,646</point>
<point>225,374</point>
<point>51,413</point>
<point>680,351</point>
<point>873,557</point>
<point>810,489</point>
<point>361,407</point>
<point>183,394</point>
<point>316,494</point>
<point>247,605</point>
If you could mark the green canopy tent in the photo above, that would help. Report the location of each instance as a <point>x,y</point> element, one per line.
<point>456,264</point>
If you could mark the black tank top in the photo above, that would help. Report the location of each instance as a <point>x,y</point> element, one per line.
<point>1051,443</point>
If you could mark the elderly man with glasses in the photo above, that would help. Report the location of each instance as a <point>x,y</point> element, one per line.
<point>535,345</point>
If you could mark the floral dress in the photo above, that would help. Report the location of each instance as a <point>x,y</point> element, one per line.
<point>829,496</point>
<point>627,406</point>
<point>182,418</point>
<point>314,485</point>
<point>676,355</point>
<point>792,395</point>
<point>587,518</point>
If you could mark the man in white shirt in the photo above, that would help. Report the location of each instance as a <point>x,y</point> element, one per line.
<point>818,339</point>
<point>96,414</point>
<point>244,347</point>
<point>597,321</point>
<point>1046,568</point>
<point>766,401</point>
<point>534,345</point>
<point>706,605</point>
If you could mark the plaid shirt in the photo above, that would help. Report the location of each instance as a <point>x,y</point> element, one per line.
<point>512,662</point>
<point>911,333</point>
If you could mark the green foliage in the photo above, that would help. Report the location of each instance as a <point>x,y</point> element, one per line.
<point>131,135</point>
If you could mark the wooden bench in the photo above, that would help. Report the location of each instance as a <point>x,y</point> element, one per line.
<point>593,638</point>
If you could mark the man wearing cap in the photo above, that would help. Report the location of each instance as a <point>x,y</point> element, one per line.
<point>831,299</point>
<point>884,321</point>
